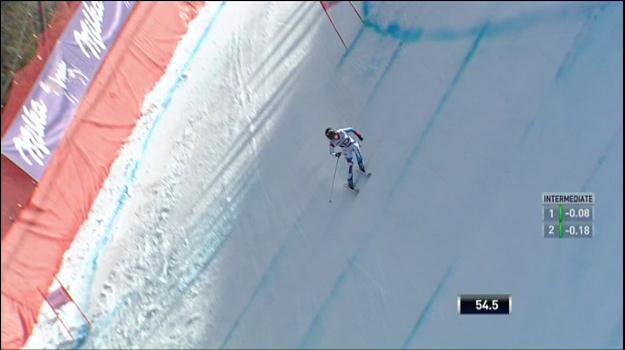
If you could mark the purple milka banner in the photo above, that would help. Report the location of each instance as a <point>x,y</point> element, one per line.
<point>40,125</point>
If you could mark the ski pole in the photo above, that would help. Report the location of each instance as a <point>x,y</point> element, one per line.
<point>333,177</point>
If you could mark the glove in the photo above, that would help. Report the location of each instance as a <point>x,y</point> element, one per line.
<point>336,154</point>
<point>360,136</point>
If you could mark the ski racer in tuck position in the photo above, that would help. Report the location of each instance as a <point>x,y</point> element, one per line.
<point>349,147</point>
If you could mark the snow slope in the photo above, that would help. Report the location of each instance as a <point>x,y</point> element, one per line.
<point>214,228</point>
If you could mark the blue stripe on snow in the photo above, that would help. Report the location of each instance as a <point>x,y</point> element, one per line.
<point>351,46</point>
<point>504,26</point>
<point>602,158</point>
<point>385,72</point>
<point>131,175</point>
<point>580,42</point>
<point>313,329</point>
<point>426,310</point>
<point>393,29</point>
<point>263,282</point>
<point>441,105</point>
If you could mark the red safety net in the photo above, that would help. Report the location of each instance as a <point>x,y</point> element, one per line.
<point>17,186</point>
<point>33,247</point>
<point>327,4</point>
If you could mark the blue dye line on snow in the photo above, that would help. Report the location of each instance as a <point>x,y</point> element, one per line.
<point>121,202</point>
<point>565,66</point>
<point>351,46</point>
<point>408,35</point>
<point>461,70</point>
<point>313,329</point>
<point>602,158</point>
<point>265,279</point>
<point>497,27</point>
<point>441,105</point>
<point>263,282</point>
<point>208,255</point>
<point>390,63</point>
<point>393,29</point>
<point>580,41</point>
<point>427,308</point>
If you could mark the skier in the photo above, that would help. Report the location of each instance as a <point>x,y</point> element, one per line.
<point>349,146</point>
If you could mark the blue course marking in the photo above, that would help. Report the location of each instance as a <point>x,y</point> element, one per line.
<point>566,64</point>
<point>579,43</point>
<point>602,158</point>
<point>426,310</point>
<point>351,46</point>
<point>393,29</point>
<point>390,63</point>
<point>263,282</point>
<point>130,178</point>
<point>267,276</point>
<point>208,255</point>
<point>441,105</point>
<point>497,27</point>
<point>313,329</point>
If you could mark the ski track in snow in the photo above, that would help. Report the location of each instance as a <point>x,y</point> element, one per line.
<point>214,229</point>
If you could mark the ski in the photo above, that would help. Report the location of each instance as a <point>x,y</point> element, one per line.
<point>356,190</point>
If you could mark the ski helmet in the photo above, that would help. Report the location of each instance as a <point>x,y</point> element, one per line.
<point>330,133</point>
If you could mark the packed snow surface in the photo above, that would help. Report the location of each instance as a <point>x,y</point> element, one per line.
<point>214,228</point>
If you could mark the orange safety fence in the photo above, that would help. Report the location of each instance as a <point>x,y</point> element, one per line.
<point>33,247</point>
<point>17,185</point>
